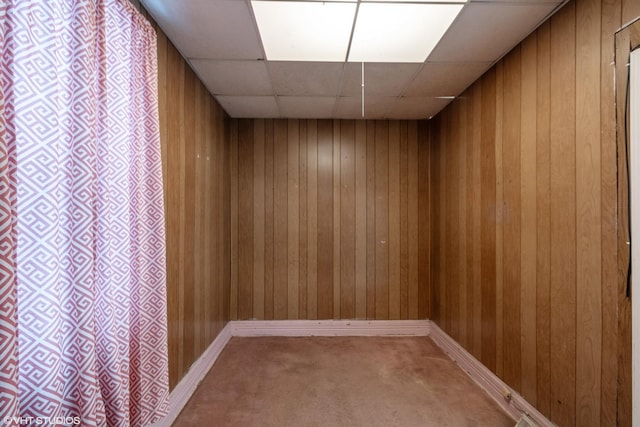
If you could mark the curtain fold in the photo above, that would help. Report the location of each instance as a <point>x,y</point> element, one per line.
<point>82,243</point>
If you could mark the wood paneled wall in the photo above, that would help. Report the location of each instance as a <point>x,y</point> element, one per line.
<point>195,158</point>
<point>329,219</point>
<point>524,218</point>
<point>627,40</point>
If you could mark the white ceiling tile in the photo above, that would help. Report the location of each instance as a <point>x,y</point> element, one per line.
<point>305,78</point>
<point>225,32</point>
<point>221,29</point>
<point>233,77</point>
<point>304,31</point>
<point>375,107</point>
<point>379,78</point>
<point>445,79</point>
<point>399,32</point>
<point>415,108</point>
<point>483,32</point>
<point>249,106</point>
<point>306,107</point>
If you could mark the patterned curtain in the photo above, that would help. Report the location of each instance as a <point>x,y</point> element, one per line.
<point>83,335</point>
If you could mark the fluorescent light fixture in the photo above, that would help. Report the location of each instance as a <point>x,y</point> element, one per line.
<point>415,1</point>
<point>399,32</point>
<point>304,31</point>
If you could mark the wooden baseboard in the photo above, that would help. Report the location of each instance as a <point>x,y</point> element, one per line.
<point>189,383</point>
<point>329,328</point>
<point>487,380</point>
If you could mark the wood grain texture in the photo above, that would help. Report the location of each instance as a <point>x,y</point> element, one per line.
<point>382,219</point>
<point>258,217</point>
<point>511,167</point>
<point>563,217</point>
<point>312,218</point>
<point>269,223</point>
<point>347,220</point>
<point>610,22</point>
<point>373,264</point>
<point>196,157</point>
<point>627,40</point>
<point>551,272</point>
<point>293,219</point>
<point>280,221</point>
<point>528,218</point>
<point>588,213</point>
<point>500,218</point>
<point>303,213</point>
<point>543,220</point>
<point>488,220</point>
<point>245,217</point>
<point>337,260</point>
<point>394,220</point>
<point>325,220</point>
<point>361,219</point>
<point>419,220</point>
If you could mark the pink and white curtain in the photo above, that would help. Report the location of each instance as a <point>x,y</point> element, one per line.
<point>83,336</point>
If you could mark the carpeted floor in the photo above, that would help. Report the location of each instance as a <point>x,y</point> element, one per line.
<point>338,381</point>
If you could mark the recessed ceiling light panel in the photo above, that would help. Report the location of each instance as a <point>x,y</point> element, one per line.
<point>395,32</point>
<point>304,31</point>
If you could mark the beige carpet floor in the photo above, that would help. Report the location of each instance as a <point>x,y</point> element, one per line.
<point>338,381</point>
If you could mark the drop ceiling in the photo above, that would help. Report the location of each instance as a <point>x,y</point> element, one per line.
<point>221,42</point>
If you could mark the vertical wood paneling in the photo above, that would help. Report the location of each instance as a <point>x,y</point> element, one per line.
<point>361,219</point>
<point>347,221</point>
<point>453,256</point>
<point>245,218</point>
<point>488,220</point>
<point>470,181</point>
<point>543,221</point>
<point>419,219</point>
<point>477,218</point>
<point>394,220</point>
<point>312,215</point>
<point>460,313</point>
<point>258,218</point>
<point>269,224</point>
<point>303,207</point>
<point>528,218</point>
<point>588,213</point>
<point>233,154</point>
<point>500,218</point>
<point>551,271</point>
<point>325,220</point>
<point>511,216</point>
<point>337,261</point>
<point>382,219</point>
<point>404,220</point>
<point>371,220</point>
<point>293,219</point>
<point>627,40</point>
<point>280,221</point>
<point>563,217</point>
<point>199,211</point>
<point>610,22</point>
<point>370,177</point>
<point>435,207</point>
<point>194,137</point>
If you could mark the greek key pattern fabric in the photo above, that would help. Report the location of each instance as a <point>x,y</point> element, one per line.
<point>83,300</point>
